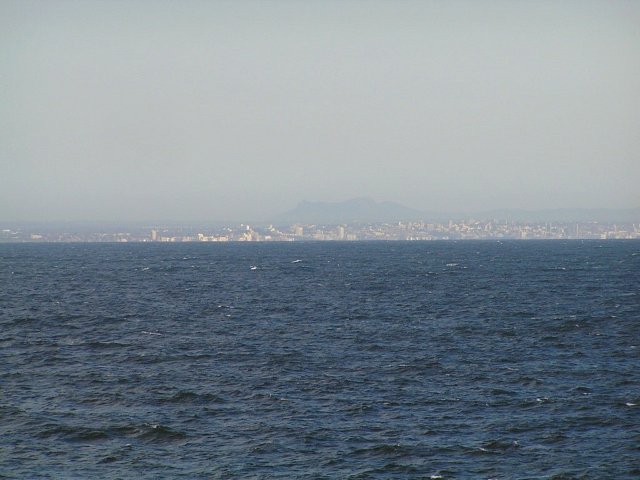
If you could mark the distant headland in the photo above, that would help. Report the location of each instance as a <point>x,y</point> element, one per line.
<point>355,219</point>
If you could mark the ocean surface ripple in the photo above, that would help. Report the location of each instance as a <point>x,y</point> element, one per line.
<point>452,360</point>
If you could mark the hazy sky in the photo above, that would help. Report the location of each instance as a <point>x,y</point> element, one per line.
<point>148,110</point>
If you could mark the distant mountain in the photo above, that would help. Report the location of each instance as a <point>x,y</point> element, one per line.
<point>357,210</point>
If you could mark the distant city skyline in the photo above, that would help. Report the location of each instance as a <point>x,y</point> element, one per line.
<point>364,231</point>
<point>217,111</point>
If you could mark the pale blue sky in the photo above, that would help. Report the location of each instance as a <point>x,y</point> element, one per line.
<point>149,110</point>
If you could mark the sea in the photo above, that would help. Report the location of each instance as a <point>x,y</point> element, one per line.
<point>320,360</point>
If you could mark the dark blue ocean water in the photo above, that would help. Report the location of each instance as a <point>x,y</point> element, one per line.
<point>512,360</point>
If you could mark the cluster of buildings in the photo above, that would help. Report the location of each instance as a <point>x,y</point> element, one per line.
<point>405,231</point>
<point>247,233</point>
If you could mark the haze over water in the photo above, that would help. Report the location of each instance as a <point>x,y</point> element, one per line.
<point>239,110</point>
<point>444,359</point>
